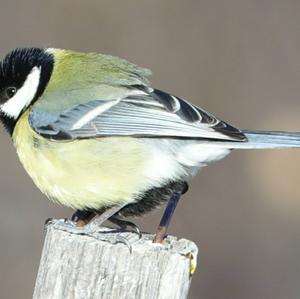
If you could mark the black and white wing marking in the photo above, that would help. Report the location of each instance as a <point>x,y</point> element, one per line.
<point>144,113</point>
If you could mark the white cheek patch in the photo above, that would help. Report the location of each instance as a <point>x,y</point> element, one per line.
<point>14,106</point>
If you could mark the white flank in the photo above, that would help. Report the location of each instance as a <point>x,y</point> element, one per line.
<point>92,114</point>
<point>197,155</point>
<point>161,165</point>
<point>161,168</point>
<point>14,106</point>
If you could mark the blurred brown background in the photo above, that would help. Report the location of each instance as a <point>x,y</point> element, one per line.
<point>237,59</point>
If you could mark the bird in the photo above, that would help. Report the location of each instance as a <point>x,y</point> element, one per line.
<point>95,136</point>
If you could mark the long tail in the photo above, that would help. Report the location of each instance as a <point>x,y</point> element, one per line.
<point>260,140</point>
<point>268,139</point>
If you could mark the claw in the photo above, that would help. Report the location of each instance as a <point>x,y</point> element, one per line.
<point>123,240</point>
<point>48,221</point>
<point>135,228</point>
<point>123,224</point>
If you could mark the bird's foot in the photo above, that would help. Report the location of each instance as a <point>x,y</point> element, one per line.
<point>93,226</point>
<point>101,233</point>
<point>124,224</point>
<point>89,223</point>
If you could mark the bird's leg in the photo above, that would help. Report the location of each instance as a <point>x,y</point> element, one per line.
<point>167,216</point>
<point>98,220</point>
<point>82,218</point>
<point>123,224</point>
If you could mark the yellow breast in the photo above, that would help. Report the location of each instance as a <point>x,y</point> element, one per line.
<point>91,173</point>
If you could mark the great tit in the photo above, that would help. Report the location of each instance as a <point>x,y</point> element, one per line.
<point>95,136</point>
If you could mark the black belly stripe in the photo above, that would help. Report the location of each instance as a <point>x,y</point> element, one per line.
<point>149,200</point>
<point>152,199</point>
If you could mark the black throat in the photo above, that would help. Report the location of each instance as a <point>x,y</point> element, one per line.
<point>14,70</point>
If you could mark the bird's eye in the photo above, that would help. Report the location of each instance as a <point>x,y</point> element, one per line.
<point>10,92</point>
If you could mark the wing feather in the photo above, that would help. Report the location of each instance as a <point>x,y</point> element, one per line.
<point>143,113</point>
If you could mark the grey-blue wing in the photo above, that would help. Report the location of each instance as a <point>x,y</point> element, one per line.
<point>142,113</point>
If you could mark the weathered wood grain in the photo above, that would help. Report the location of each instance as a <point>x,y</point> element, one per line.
<point>80,266</point>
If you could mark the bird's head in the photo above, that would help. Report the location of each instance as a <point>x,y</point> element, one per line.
<point>24,74</point>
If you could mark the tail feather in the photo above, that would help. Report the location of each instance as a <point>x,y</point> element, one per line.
<point>269,139</point>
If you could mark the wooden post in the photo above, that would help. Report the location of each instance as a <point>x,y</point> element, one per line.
<point>99,266</point>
